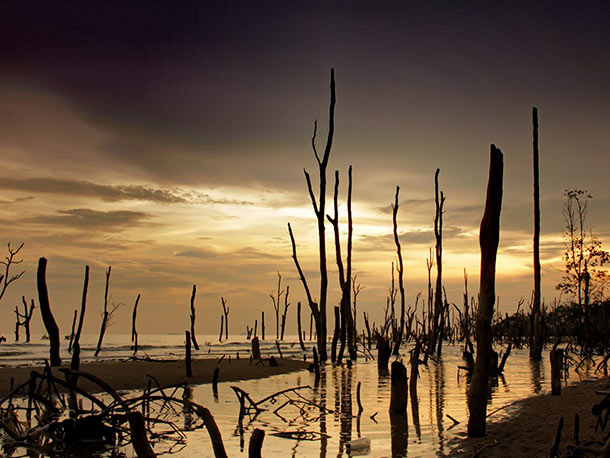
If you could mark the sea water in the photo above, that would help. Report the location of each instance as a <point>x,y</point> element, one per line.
<point>436,415</point>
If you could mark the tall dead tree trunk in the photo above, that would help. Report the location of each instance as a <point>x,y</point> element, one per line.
<point>345,275</point>
<point>105,315</point>
<point>319,310</point>
<point>489,238</point>
<point>47,315</point>
<point>400,269</point>
<point>438,291</point>
<point>193,338</point>
<point>536,331</point>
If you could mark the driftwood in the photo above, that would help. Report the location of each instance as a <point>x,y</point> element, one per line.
<point>103,425</point>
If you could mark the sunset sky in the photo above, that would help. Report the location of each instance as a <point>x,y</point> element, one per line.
<point>168,139</point>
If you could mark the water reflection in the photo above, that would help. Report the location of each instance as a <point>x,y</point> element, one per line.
<point>399,433</point>
<point>439,390</point>
<point>537,370</point>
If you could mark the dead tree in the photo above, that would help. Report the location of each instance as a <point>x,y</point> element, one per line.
<point>222,323</point>
<point>107,315</point>
<point>72,331</point>
<point>356,288</point>
<point>23,319</point>
<point>75,363</point>
<point>345,275</point>
<point>263,325</point>
<point>319,310</point>
<point>536,321</point>
<point>399,389</point>
<point>336,335</point>
<point>134,333</point>
<point>299,326</point>
<point>438,290</point>
<point>187,354</point>
<point>6,279</point>
<point>400,270</point>
<point>193,338</point>
<point>489,238</point>
<point>47,315</point>
<point>225,311</point>
<point>276,304</point>
<point>286,305</point>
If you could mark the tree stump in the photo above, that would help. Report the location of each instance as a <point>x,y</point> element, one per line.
<point>556,368</point>
<point>399,389</point>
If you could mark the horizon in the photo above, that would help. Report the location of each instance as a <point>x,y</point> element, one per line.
<point>169,142</point>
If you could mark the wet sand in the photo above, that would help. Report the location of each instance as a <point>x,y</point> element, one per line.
<point>125,375</point>
<point>530,430</point>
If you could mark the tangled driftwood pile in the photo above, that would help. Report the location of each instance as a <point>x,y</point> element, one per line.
<point>49,413</point>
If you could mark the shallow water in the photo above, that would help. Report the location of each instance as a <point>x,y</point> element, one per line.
<point>333,416</point>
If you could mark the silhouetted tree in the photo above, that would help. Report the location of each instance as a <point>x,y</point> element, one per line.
<point>400,269</point>
<point>193,316</point>
<point>584,254</point>
<point>536,321</point>
<point>107,314</point>
<point>345,274</point>
<point>319,309</point>
<point>6,278</point>
<point>489,238</point>
<point>47,315</point>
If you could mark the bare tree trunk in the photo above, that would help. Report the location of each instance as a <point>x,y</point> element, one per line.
<point>286,305</point>
<point>105,316</point>
<point>319,310</point>
<point>488,239</point>
<point>263,325</point>
<point>347,333</point>
<point>134,333</point>
<point>47,315</point>
<point>27,317</point>
<point>222,322</point>
<point>299,327</point>
<point>72,331</point>
<point>225,311</point>
<point>399,389</point>
<point>438,235</point>
<point>536,340</point>
<point>336,335</point>
<point>75,363</point>
<point>187,354</point>
<point>193,338</point>
<point>400,269</point>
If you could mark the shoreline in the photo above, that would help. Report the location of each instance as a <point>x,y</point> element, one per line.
<point>133,374</point>
<point>530,430</point>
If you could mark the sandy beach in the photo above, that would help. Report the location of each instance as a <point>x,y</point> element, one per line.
<point>530,430</point>
<point>124,375</point>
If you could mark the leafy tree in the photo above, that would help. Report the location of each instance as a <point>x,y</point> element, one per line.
<point>584,277</point>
